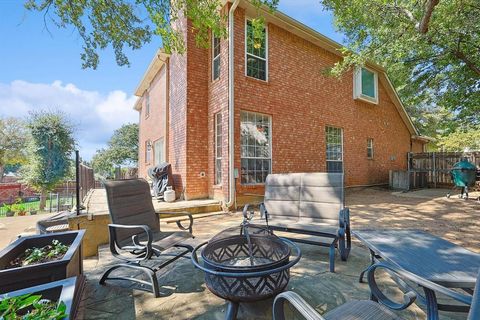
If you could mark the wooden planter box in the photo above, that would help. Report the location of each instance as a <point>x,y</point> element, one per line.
<point>70,265</point>
<point>68,291</point>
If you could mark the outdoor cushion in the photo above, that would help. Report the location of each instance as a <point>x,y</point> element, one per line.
<point>364,310</point>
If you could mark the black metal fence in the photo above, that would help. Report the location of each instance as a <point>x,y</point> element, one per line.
<point>54,202</point>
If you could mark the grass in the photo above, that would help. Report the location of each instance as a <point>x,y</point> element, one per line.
<point>35,205</point>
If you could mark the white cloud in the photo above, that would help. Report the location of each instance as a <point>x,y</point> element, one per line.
<point>94,114</point>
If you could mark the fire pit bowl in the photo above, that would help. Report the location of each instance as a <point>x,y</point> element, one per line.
<point>246,264</point>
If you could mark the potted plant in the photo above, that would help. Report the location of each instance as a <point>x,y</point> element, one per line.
<point>40,259</point>
<point>8,210</point>
<point>20,209</point>
<point>55,300</point>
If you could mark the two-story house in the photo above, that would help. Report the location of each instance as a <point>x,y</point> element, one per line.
<point>227,116</point>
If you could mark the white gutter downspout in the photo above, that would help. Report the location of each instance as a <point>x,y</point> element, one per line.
<point>231,115</point>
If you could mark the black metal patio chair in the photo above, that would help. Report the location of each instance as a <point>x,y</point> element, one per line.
<point>135,236</point>
<point>379,308</point>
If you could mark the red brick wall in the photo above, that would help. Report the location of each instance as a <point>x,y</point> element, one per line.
<point>152,126</point>
<point>302,100</point>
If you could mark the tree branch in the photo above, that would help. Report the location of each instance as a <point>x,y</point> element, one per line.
<point>460,55</point>
<point>429,7</point>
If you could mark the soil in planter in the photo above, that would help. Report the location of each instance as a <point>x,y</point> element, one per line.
<point>50,252</point>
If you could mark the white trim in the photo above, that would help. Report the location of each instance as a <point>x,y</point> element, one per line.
<point>216,157</point>
<point>357,85</point>
<point>253,55</point>
<point>231,107</point>
<point>215,58</point>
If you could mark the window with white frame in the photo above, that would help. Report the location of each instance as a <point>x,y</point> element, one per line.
<point>218,148</point>
<point>256,151</point>
<point>256,53</point>
<point>370,148</point>
<point>159,152</point>
<point>366,85</point>
<point>334,143</point>
<point>215,57</point>
<point>147,104</point>
<point>148,151</point>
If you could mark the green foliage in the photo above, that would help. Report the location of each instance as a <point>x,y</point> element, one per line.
<point>122,150</point>
<point>13,139</point>
<point>31,307</point>
<point>7,207</point>
<point>49,149</point>
<point>19,208</point>
<point>429,48</point>
<point>47,252</point>
<point>460,140</point>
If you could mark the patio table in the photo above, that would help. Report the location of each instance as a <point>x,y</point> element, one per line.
<point>427,257</point>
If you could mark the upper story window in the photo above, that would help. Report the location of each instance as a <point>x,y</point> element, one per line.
<point>147,104</point>
<point>370,148</point>
<point>366,85</point>
<point>215,57</point>
<point>256,151</point>
<point>256,51</point>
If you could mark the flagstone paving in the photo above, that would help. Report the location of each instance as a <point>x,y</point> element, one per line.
<point>184,295</point>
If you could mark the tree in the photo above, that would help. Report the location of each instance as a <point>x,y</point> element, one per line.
<point>49,151</point>
<point>13,138</point>
<point>122,150</point>
<point>431,50</point>
<point>461,140</point>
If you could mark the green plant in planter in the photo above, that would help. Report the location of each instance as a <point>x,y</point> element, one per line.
<point>31,307</point>
<point>45,253</point>
<point>19,208</point>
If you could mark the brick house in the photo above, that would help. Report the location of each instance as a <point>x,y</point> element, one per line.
<point>286,114</point>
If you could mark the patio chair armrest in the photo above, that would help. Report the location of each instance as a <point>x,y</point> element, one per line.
<point>263,211</point>
<point>188,228</point>
<point>306,310</point>
<point>405,275</point>
<point>248,215</point>
<point>141,251</point>
<point>344,218</point>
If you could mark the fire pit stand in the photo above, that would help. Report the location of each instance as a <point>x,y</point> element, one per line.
<point>246,264</point>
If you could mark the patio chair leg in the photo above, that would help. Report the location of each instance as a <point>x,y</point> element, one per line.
<point>149,272</point>
<point>331,255</point>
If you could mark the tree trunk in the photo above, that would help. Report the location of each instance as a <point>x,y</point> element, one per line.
<point>43,199</point>
<point>2,172</point>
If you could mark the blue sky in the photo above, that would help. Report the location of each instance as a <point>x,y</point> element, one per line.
<point>42,69</point>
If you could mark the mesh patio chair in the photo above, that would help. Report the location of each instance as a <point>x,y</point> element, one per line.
<point>381,310</point>
<point>135,236</point>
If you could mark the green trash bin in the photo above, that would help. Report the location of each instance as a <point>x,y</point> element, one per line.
<point>463,176</point>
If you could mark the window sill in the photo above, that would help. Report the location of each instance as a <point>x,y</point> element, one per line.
<point>255,80</point>
<point>215,80</point>
<point>252,185</point>
<point>367,99</point>
<point>217,186</point>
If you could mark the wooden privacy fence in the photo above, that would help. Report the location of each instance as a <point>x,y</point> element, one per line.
<point>86,179</point>
<point>433,168</point>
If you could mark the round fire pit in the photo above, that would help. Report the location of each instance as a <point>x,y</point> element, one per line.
<point>246,263</point>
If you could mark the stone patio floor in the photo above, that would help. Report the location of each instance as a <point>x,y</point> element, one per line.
<point>184,295</point>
